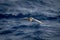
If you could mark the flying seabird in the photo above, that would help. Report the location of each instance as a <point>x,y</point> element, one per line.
<point>32,19</point>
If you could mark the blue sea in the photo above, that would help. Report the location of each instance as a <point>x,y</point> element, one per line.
<point>13,28</point>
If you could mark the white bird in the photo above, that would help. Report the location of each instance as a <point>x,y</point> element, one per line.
<point>32,19</point>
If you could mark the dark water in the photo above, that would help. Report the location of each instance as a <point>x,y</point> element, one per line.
<point>13,28</point>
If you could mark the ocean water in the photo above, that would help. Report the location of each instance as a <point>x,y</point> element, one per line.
<point>13,28</point>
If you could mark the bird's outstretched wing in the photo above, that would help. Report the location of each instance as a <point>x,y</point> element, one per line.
<point>36,20</point>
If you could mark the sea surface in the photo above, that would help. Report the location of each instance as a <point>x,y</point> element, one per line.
<point>13,28</point>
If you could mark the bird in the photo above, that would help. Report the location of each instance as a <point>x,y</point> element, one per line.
<point>32,19</point>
